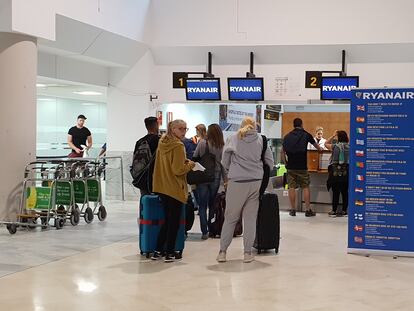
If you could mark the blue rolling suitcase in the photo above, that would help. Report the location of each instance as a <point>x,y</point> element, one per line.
<point>151,217</point>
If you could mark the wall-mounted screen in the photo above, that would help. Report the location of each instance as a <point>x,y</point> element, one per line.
<point>245,89</point>
<point>203,89</point>
<point>338,88</point>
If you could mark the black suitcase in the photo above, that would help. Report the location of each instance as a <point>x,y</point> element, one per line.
<point>218,219</point>
<point>268,224</point>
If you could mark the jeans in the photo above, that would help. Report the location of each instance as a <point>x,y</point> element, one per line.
<point>206,195</point>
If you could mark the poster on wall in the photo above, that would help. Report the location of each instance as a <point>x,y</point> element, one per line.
<point>231,116</point>
<point>381,213</point>
<point>159,117</point>
<point>169,117</point>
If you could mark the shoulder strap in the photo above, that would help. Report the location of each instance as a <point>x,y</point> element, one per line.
<point>264,148</point>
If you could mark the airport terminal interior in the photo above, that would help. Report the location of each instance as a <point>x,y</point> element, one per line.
<point>75,232</point>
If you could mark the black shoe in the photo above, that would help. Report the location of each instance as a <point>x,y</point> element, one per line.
<point>156,256</point>
<point>178,256</point>
<point>332,214</point>
<point>310,213</point>
<point>339,214</point>
<point>169,258</point>
<point>292,212</point>
<point>345,214</point>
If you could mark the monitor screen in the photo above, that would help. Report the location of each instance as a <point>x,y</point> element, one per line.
<point>338,88</point>
<point>203,89</point>
<point>245,89</point>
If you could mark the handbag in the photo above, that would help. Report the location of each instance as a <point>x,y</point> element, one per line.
<point>208,161</point>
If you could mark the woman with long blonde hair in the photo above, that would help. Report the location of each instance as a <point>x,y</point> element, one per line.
<point>170,183</point>
<point>242,160</point>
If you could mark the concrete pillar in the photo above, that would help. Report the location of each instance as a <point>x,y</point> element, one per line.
<point>18,71</point>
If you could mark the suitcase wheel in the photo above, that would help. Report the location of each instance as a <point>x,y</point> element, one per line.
<point>147,255</point>
<point>259,251</point>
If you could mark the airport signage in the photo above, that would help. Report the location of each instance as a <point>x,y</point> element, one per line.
<point>381,214</point>
<point>338,88</point>
<point>245,89</point>
<point>203,89</point>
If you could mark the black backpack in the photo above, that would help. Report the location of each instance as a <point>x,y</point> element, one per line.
<point>142,162</point>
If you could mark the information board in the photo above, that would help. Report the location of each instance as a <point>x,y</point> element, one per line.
<point>338,88</point>
<point>203,89</point>
<point>381,208</point>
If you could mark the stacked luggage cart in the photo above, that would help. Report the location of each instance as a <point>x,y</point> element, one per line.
<point>57,190</point>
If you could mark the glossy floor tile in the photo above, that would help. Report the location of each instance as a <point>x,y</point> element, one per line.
<point>311,272</point>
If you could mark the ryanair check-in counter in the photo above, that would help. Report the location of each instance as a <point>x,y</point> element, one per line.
<point>274,119</point>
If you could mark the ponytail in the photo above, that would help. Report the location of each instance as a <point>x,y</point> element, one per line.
<point>247,125</point>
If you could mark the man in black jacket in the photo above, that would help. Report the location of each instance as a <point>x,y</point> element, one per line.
<point>294,154</point>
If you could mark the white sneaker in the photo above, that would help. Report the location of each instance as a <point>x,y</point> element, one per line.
<point>248,257</point>
<point>221,257</point>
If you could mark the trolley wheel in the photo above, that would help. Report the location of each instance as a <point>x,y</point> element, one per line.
<point>88,215</point>
<point>32,223</point>
<point>75,217</point>
<point>12,228</point>
<point>43,221</point>
<point>102,213</point>
<point>61,209</point>
<point>59,223</point>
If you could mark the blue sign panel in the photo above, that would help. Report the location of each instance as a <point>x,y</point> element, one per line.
<point>203,89</point>
<point>381,208</point>
<point>337,88</point>
<point>245,89</point>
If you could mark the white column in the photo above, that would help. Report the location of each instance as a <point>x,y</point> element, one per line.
<point>18,71</point>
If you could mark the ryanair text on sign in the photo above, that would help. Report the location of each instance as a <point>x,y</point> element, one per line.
<point>385,95</point>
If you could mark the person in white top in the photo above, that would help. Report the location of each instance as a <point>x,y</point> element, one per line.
<point>319,139</point>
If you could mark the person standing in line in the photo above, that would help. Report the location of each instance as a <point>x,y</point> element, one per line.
<point>201,133</point>
<point>170,183</point>
<point>242,160</point>
<point>152,138</point>
<point>319,139</point>
<point>294,153</point>
<point>79,135</point>
<point>339,172</point>
<point>207,192</point>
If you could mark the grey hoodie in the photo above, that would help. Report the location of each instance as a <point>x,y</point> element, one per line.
<point>241,157</point>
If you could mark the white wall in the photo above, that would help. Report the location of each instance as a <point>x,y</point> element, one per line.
<point>371,75</point>
<point>279,22</point>
<point>129,104</point>
<point>58,67</point>
<point>123,17</point>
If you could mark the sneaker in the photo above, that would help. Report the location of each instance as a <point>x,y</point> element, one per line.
<point>292,212</point>
<point>339,214</point>
<point>204,237</point>
<point>178,256</point>
<point>170,258</point>
<point>156,256</point>
<point>310,213</point>
<point>221,257</point>
<point>345,214</point>
<point>332,214</point>
<point>248,257</point>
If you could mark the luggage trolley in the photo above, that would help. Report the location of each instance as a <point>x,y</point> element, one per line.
<point>38,197</point>
<point>95,170</point>
<point>79,175</point>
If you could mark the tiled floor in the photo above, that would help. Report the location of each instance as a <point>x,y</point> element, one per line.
<point>96,267</point>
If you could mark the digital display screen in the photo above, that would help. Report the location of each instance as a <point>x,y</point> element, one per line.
<point>338,88</point>
<point>203,89</point>
<point>245,89</point>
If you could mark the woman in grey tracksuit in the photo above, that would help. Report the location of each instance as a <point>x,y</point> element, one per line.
<point>242,160</point>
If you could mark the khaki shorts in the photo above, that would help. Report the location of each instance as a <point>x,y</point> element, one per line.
<point>298,179</point>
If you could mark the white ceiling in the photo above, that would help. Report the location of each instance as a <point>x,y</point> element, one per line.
<point>65,89</point>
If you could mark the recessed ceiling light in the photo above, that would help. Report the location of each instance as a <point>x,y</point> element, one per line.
<point>43,99</point>
<point>41,85</point>
<point>88,93</point>
<point>88,104</point>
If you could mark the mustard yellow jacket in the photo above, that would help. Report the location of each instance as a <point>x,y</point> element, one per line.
<point>171,168</point>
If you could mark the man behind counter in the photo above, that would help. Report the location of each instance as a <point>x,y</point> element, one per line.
<point>79,135</point>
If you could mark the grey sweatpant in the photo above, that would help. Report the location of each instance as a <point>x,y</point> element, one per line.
<point>242,199</point>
